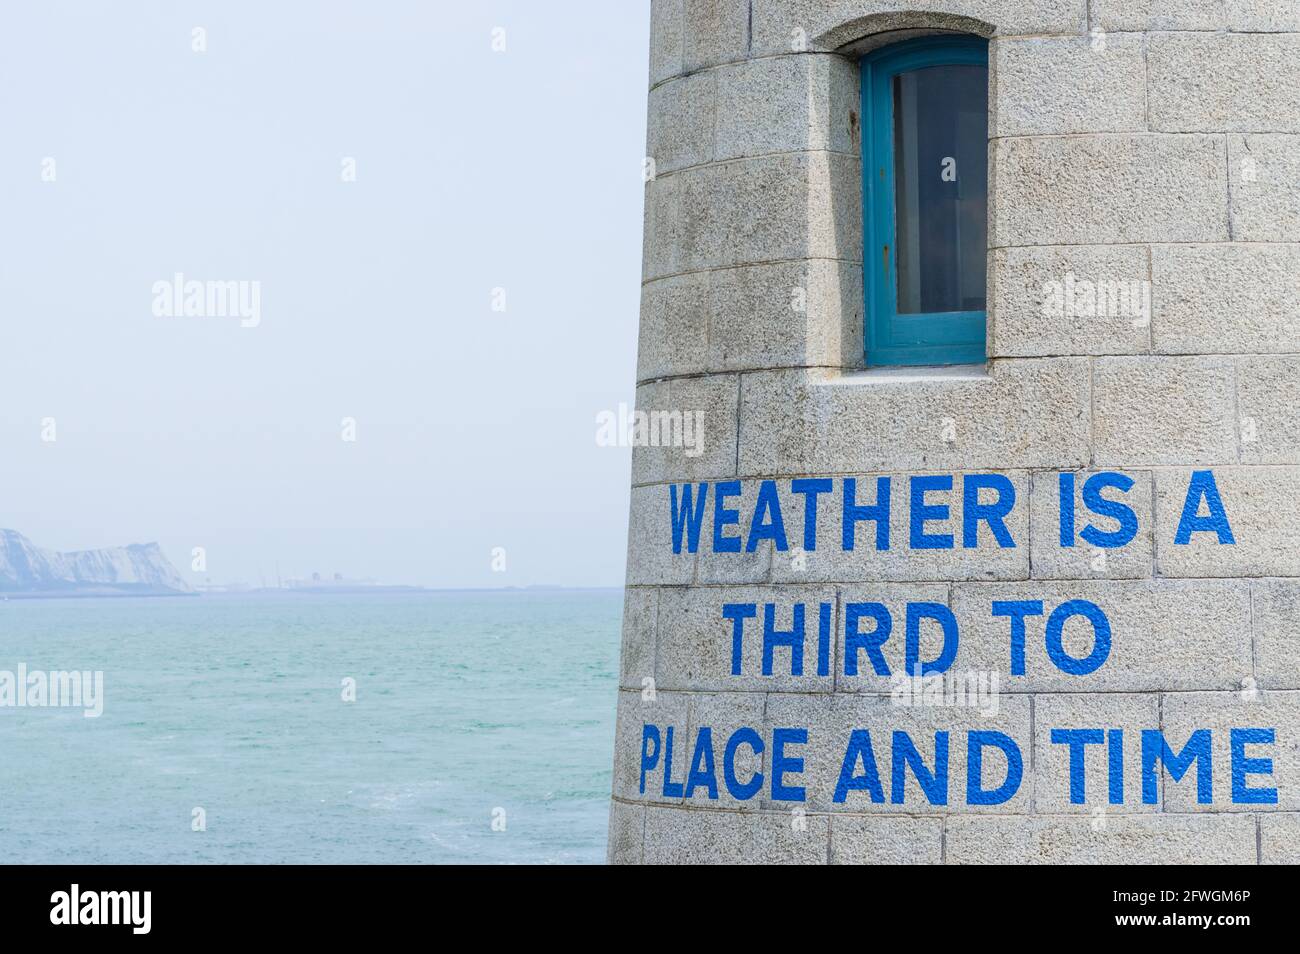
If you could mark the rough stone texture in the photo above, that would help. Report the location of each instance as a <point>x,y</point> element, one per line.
<point>659,252</point>
<point>1255,86</point>
<point>666,22</point>
<point>635,710</point>
<point>1279,837</point>
<point>829,561</point>
<point>716,31</point>
<point>1045,301</point>
<point>744,567</point>
<point>695,640</point>
<point>1116,15</point>
<point>1276,625</point>
<point>1052,85</point>
<point>749,211</point>
<point>675,314</point>
<point>895,598</point>
<point>1263,16</point>
<point>675,836</point>
<point>626,833</point>
<point>1165,634</point>
<point>637,654</point>
<point>817,423</point>
<point>1143,317</point>
<point>1114,839</point>
<point>1226,299</point>
<point>683,116</point>
<point>1268,393</point>
<point>1220,712</point>
<point>788,104</point>
<point>789,314</point>
<point>1085,560</point>
<point>1265,203</point>
<point>723,714</point>
<point>822,23</point>
<point>704,450</point>
<point>1129,712</point>
<point>756,108</point>
<point>650,557</point>
<point>1107,189</point>
<point>829,720</point>
<point>1263,511</point>
<point>1164,411</point>
<point>873,840</point>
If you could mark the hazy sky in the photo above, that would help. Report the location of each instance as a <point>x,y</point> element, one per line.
<point>475,170</point>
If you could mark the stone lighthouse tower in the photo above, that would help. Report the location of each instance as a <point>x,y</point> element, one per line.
<point>965,520</point>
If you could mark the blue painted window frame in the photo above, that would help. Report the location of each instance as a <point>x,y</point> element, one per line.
<point>891,339</point>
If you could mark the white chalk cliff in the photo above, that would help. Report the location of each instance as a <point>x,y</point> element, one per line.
<point>136,570</point>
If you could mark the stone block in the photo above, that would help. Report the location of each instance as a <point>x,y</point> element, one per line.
<point>682,836</point>
<point>1224,82</point>
<point>1279,839</point>
<point>1221,712</point>
<point>690,431</point>
<point>783,315</point>
<point>885,840</point>
<point>783,26</point>
<point>1263,16</point>
<point>667,20</point>
<point>1033,412</point>
<point>1226,299</point>
<point>674,331</point>
<point>1090,560</point>
<point>1108,190</point>
<point>788,104</point>
<point>1128,712</point>
<point>696,641</point>
<point>724,713</point>
<point>635,711</point>
<point>1164,634</point>
<point>680,125</point>
<point>626,833</point>
<point>1068,300</point>
<point>1148,15</point>
<point>1069,84</point>
<point>650,557</point>
<point>1164,411</point>
<point>637,655</point>
<point>1123,840</point>
<point>1276,624</point>
<point>751,211</point>
<point>1263,512</point>
<point>830,720</point>
<point>1268,393</point>
<point>715,31</point>
<point>1265,204</point>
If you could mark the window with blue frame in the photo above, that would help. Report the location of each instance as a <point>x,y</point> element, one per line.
<point>925,200</point>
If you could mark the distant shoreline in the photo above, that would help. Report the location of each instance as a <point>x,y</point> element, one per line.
<point>87,595</point>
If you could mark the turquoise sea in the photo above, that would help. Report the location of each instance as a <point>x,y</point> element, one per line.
<point>469,707</point>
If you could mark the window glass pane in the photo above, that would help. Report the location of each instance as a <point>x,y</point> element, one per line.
<point>941,188</point>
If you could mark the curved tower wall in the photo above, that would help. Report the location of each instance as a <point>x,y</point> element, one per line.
<point>1147,145</point>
